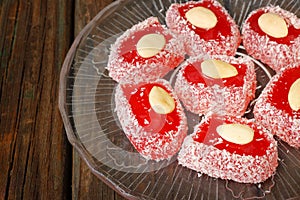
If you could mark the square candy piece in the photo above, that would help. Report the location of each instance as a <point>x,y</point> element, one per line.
<point>230,148</point>
<point>145,52</point>
<point>272,35</point>
<point>152,118</point>
<point>205,27</point>
<point>220,84</point>
<point>278,107</point>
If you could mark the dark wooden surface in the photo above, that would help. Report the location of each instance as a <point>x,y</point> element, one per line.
<point>36,159</point>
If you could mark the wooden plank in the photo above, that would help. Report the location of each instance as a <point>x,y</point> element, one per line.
<point>35,36</point>
<point>86,185</point>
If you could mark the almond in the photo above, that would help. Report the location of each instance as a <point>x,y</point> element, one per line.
<point>273,25</point>
<point>150,45</point>
<point>201,17</point>
<point>236,133</point>
<point>218,69</point>
<point>294,95</point>
<point>161,101</point>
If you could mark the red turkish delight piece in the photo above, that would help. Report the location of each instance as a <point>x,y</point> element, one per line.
<point>222,38</point>
<point>155,136</point>
<point>275,108</point>
<point>145,52</point>
<point>277,51</point>
<point>234,157</point>
<point>201,94</point>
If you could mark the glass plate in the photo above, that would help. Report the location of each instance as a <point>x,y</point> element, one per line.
<point>87,107</point>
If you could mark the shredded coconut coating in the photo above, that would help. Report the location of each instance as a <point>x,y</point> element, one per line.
<point>194,44</point>
<point>274,54</point>
<point>150,144</point>
<point>278,121</point>
<point>154,67</point>
<point>222,164</point>
<point>202,99</point>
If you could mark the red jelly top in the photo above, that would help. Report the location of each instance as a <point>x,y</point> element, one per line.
<point>293,33</point>
<point>138,97</point>
<point>208,135</point>
<point>193,74</point>
<point>279,96</point>
<point>128,47</point>
<point>222,28</point>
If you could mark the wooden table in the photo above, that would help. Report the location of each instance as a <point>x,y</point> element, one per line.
<point>36,159</point>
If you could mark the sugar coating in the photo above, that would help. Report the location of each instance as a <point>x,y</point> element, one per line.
<point>154,67</point>
<point>202,99</point>
<point>150,144</point>
<point>194,44</point>
<point>278,121</point>
<point>274,54</point>
<point>222,164</point>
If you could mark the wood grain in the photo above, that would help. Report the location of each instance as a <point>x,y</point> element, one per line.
<point>34,39</point>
